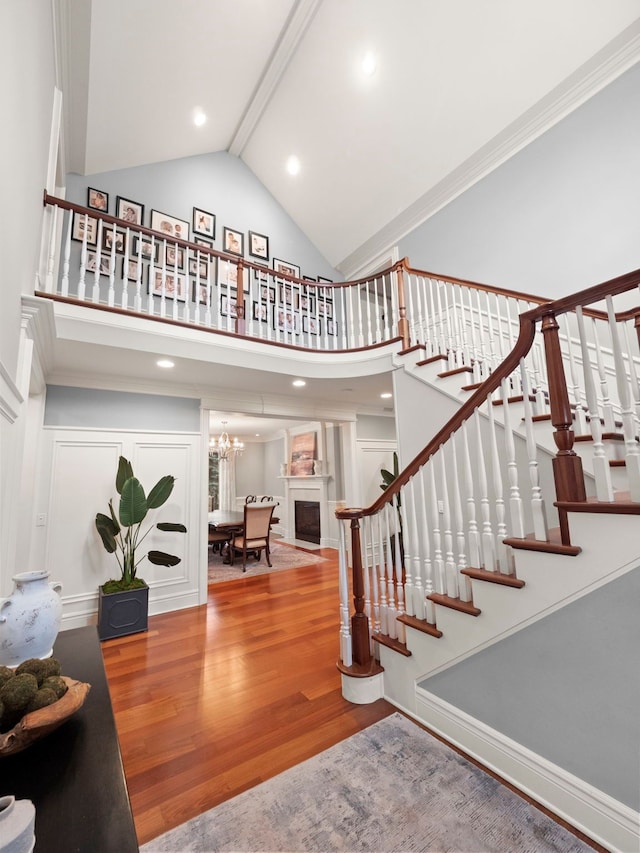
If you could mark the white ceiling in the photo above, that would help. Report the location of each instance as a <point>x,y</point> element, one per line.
<point>460,86</point>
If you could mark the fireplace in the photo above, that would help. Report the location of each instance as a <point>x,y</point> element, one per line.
<point>307,521</point>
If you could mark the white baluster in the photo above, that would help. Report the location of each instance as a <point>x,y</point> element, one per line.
<point>632,451</point>
<point>632,342</point>
<point>152,276</point>
<point>346,653</point>
<point>580,426</point>
<point>429,606</point>
<point>438,562</point>
<point>392,611</point>
<point>415,598</point>
<point>400,595</point>
<point>442,335</point>
<point>601,469</point>
<point>501,528</point>
<point>49,285</point>
<point>375,583</point>
<point>95,293</point>
<point>111,295</point>
<point>488,543</point>
<point>538,509</point>
<point>83,263</point>
<point>463,582</point>
<point>451,578</point>
<point>384,604</point>
<point>475,558</point>
<point>607,407</point>
<point>64,289</point>
<point>138,297</point>
<point>124,302</point>
<point>515,501</point>
<point>366,579</point>
<point>476,355</point>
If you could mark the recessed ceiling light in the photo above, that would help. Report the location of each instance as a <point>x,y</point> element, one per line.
<point>369,64</point>
<point>199,117</point>
<point>386,395</point>
<point>293,165</point>
<point>165,362</point>
<point>299,383</point>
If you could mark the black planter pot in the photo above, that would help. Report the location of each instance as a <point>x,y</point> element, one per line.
<point>122,613</point>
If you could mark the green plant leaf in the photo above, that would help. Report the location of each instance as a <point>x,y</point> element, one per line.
<point>108,531</point>
<point>133,503</point>
<point>160,492</point>
<point>125,471</point>
<point>159,558</point>
<point>167,525</point>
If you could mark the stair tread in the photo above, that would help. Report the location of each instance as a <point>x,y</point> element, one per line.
<point>473,387</point>
<point>420,625</point>
<point>391,643</point>
<point>455,371</point>
<point>620,505</point>
<point>431,360</point>
<point>493,577</point>
<point>519,398</point>
<point>454,604</point>
<point>553,545</point>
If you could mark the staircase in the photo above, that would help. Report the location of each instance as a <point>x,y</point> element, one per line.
<point>524,501</point>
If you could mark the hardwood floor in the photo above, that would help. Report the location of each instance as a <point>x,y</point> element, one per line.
<point>215,699</point>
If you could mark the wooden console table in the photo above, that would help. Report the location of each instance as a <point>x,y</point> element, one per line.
<point>74,776</point>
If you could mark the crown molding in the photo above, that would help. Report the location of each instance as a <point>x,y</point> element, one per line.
<point>603,68</point>
<point>292,33</point>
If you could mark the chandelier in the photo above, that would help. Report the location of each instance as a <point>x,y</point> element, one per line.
<point>225,446</point>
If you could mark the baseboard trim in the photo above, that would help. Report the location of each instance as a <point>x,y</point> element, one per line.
<point>596,814</point>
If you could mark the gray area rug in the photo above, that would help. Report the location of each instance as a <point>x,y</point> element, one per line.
<point>391,787</point>
<point>282,557</point>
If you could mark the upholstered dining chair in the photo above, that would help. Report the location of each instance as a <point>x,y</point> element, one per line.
<point>254,538</point>
<point>218,538</point>
<point>250,499</point>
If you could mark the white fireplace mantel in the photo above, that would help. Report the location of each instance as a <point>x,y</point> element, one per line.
<point>312,487</point>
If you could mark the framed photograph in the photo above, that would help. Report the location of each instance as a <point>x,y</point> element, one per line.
<point>82,222</point>
<point>228,273</point>
<point>175,286</point>
<point>258,245</point>
<point>107,240</point>
<point>97,199</point>
<point>332,327</point>
<point>260,311</point>
<point>228,305</point>
<point>204,223</point>
<point>286,268</point>
<point>285,320</point>
<point>286,294</point>
<point>310,324</point>
<point>303,453</point>
<point>130,211</point>
<point>142,246</point>
<point>304,302</point>
<point>208,244</point>
<point>233,241</point>
<point>105,263</point>
<point>200,293</point>
<point>132,270</point>
<point>325,307</point>
<point>174,257</point>
<point>267,294</point>
<point>169,226</point>
<point>199,268</point>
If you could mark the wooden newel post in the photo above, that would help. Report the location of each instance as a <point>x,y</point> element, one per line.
<point>403,322</point>
<point>359,621</point>
<point>567,465</point>
<point>240,320</point>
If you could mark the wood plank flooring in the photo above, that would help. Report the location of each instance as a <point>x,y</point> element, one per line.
<point>215,699</point>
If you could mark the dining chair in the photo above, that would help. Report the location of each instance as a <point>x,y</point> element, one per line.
<point>217,538</point>
<point>254,538</point>
<point>266,499</point>
<point>250,499</point>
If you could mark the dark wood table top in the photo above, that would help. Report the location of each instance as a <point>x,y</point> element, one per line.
<point>226,519</point>
<point>74,776</point>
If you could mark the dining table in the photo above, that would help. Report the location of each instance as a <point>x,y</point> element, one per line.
<point>231,521</point>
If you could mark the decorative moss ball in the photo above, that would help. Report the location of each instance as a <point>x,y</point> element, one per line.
<point>43,697</point>
<point>55,683</point>
<point>5,674</point>
<point>40,668</point>
<point>18,691</point>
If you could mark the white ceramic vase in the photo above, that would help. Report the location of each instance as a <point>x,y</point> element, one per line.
<point>17,821</point>
<point>29,618</point>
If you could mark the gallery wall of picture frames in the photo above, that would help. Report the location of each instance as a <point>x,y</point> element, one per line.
<point>201,230</point>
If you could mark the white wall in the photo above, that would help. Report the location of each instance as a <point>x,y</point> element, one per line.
<point>559,216</point>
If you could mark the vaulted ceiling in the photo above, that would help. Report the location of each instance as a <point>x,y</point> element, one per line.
<point>459,86</point>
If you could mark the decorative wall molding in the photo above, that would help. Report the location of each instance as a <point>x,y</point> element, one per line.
<point>604,67</point>
<point>605,820</point>
<point>11,399</point>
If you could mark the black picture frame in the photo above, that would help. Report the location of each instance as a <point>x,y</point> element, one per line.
<point>207,244</point>
<point>97,199</point>
<point>312,325</point>
<point>77,230</point>
<point>332,327</point>
<point>130,272</point>
<point>287,295</point>
<point>169,226</point>
<point>227,273</point>
<point>170,290</point>
<point>258,245</point>
<point>304,302</point>
<point>146,253</point>
<point>260,312</point>
<point>204,223</point>
<point>286,268</point>
<point>129,211</point>
<point>267,294</point>
<point>171,254</point>
<point>232,241</point>
<point>229,304</point>
<point>107,239</point>
<point>199,293</point>
<point>285,320</point>
<point>105,263</point>
<point>200,269</point>
<point>325,308</point>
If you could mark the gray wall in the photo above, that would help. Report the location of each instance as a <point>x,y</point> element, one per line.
<point>559,216</point>
<point>219,183</point>
<point>372,426</point>
<point>567,687</point>
<point>85,407</point>
<point>250,470</point>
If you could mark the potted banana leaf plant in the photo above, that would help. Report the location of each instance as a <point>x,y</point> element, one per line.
<point>387,479</point>
<point>124,602</point>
